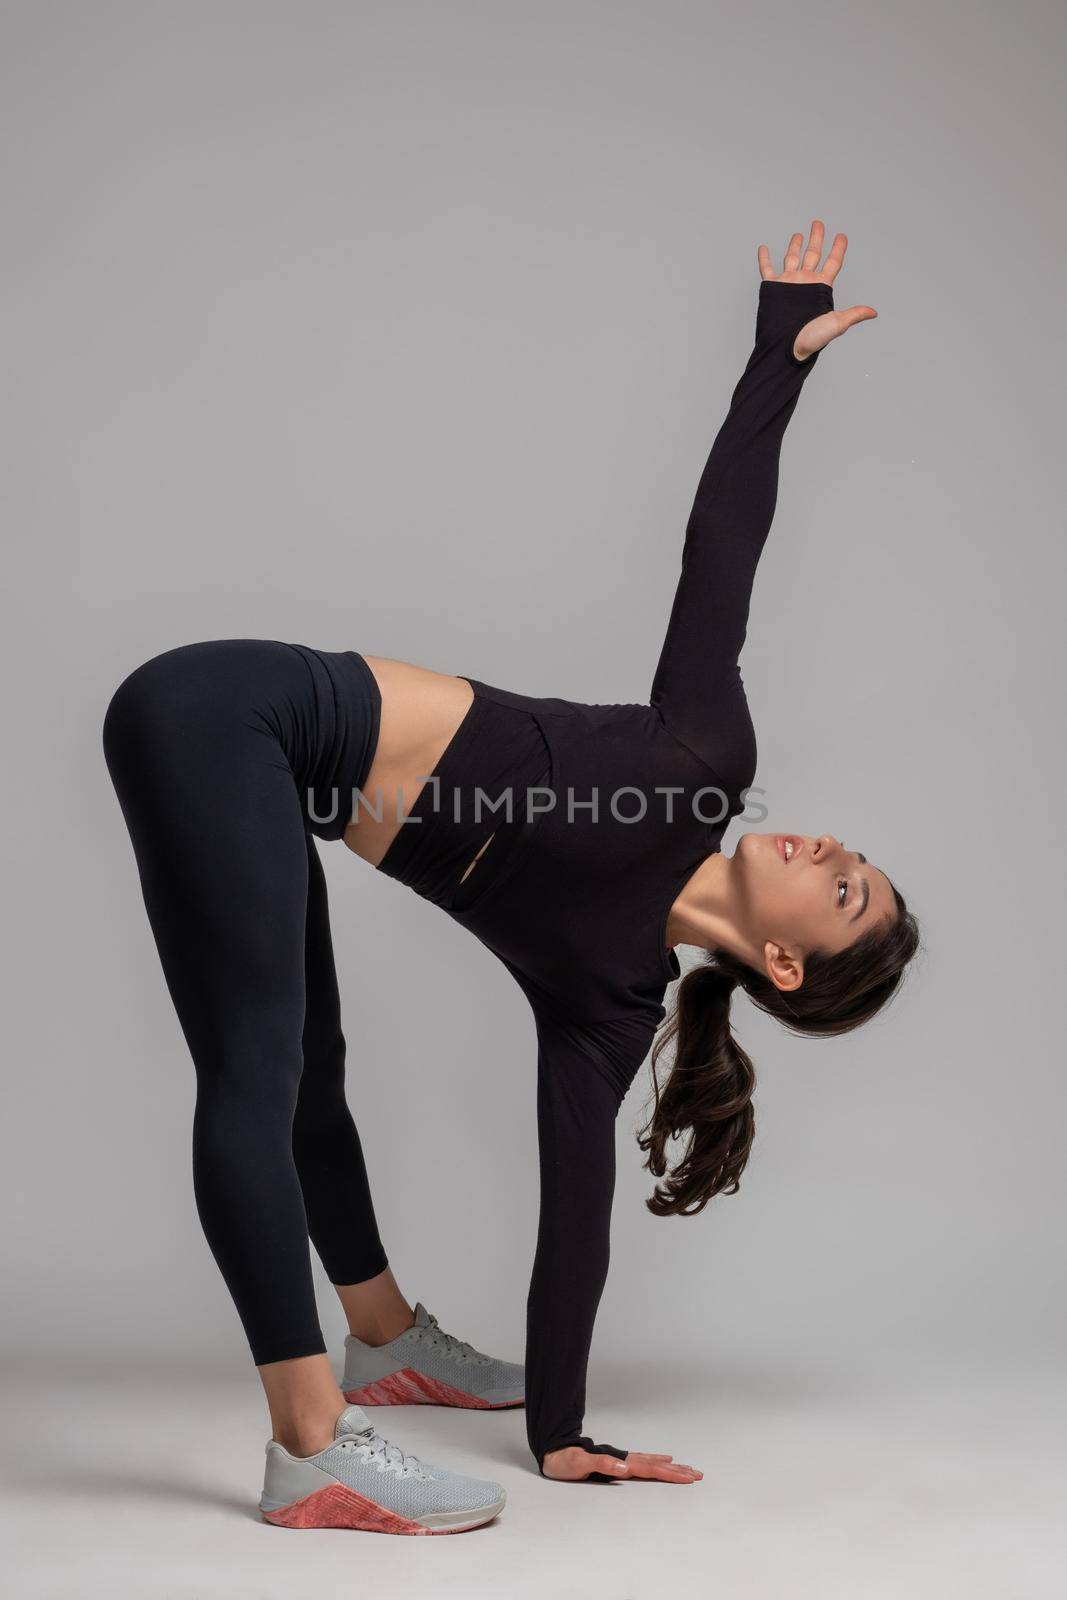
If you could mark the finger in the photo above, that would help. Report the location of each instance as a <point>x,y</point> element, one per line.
<point>766,266</point>
<point>648,1455</point>
<point>792,253</point>
<point>813,254</point>
<point>854,314</point>
<point>651,1467</point>
<point>836,259</point>
<point>612,1465</point>
<point>666,1473</point>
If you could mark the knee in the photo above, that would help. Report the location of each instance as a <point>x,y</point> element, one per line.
<point>324,1052</point>
<point>322,1100</point>
<point>322,1089</point>
<point>237,1108</point>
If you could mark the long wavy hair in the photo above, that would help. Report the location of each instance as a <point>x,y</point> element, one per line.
<point>707,1099</point>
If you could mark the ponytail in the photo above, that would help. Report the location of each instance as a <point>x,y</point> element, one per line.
<point>708,1095</point>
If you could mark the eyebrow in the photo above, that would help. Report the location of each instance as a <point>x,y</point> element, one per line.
<point>863,903</point>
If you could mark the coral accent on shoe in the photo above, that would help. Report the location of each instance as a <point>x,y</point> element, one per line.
<point>410,1388</point>
<point>337,1506</point>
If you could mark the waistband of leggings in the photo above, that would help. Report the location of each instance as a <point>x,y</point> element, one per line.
<point>350,704</point>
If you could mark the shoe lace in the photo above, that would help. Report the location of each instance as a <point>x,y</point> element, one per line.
<point>388,1457</point>
<point>453,1346</point>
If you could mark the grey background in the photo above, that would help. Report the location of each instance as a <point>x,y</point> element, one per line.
<point>407,329</point>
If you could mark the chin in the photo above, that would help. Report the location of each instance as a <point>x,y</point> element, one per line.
<point>754,845</point>
<point>757,861</point>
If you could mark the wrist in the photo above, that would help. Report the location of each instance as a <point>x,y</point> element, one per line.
<point>784,308</point>
<point>580,1441</point>
<point>583,1442</point>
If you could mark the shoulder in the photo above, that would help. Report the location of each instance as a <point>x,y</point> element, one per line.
<point>723,749</point>
<point>615,1048</point>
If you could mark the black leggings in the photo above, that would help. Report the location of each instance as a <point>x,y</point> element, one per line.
<point>214,750</point>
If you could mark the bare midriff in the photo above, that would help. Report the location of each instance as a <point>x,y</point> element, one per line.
<point>421,712</point>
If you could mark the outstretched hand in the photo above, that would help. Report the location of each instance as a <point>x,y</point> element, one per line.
<point>573,1464</point>
<point>802,266</point>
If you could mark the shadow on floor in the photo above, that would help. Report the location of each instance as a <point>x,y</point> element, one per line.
<point>106,1484</point>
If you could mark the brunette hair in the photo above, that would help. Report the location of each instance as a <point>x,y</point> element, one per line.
<point>707,1098</point>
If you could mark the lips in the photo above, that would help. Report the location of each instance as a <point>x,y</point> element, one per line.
<point>794,843</point>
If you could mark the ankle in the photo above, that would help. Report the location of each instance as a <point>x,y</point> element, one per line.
<point>375,1310</point>
<point>381,1329</point>
<point>304,1436</point>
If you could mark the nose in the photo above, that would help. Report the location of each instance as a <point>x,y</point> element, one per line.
<point>827,848</point>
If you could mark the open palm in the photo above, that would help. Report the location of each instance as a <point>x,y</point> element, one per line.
<point>572,1464</point>
<point>801,265</point>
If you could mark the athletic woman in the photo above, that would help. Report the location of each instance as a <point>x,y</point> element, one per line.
<point>580,844</point>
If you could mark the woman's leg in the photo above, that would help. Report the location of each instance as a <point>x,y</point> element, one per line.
<point>304,1403</point>
<point>218,834</point>
<point>327,1149</point>
<point>376,1311</point>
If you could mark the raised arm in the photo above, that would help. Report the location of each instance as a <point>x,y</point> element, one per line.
<point>697,688</point>
<point>577,1108</point>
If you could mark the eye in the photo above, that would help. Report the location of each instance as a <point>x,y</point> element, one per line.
<point>842,891</point>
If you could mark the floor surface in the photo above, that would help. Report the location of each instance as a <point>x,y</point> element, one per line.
<point>815,1486</point>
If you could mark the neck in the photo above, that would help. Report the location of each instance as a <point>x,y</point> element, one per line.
<point>705,913</point>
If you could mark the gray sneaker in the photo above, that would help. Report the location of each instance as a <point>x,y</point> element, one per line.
<point>426,1366</point>
<point>361,1481</point>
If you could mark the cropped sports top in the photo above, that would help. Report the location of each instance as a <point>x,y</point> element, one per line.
<point>574,891</point>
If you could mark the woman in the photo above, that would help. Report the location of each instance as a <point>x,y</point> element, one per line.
<point>580,844</point>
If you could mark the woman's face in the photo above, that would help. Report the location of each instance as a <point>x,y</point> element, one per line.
<point>809,893</point>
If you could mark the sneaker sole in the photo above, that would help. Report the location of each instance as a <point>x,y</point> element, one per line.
<point>337,1506</point>
<point>410,1388</point>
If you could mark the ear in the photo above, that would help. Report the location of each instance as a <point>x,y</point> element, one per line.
<point>784,968</point>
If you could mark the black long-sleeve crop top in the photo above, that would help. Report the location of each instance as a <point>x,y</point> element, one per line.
<point>613,808</point>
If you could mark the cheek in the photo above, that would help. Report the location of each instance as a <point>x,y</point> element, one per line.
<point>803,910</point>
